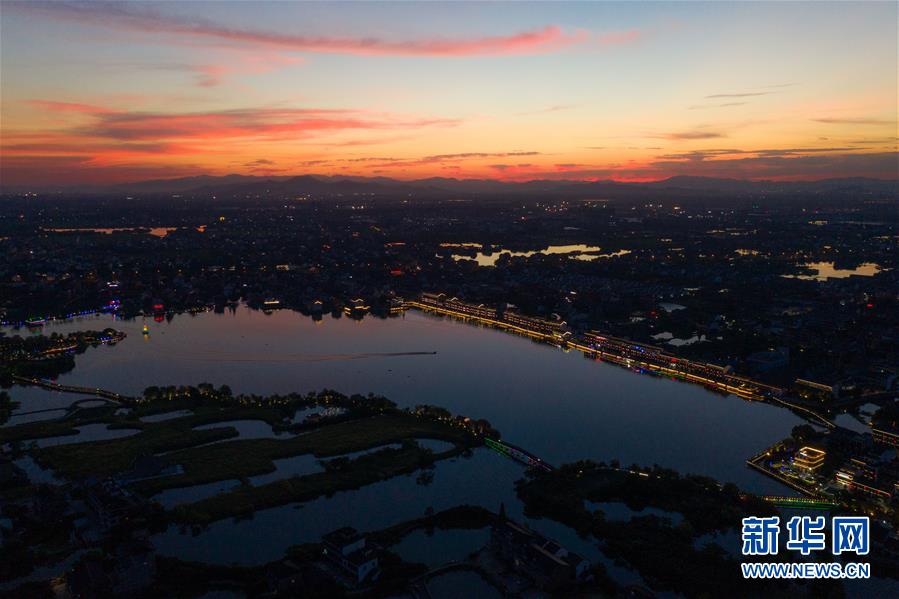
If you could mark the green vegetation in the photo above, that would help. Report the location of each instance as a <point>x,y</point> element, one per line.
<point>243,458</point>
<point>156,399</point>
<point>41,429</point>
<point>48,355</point>
<point>365,422</point>
<point>666,556</point>
<point>362,426</point>
<point>103,458</point>
<point>355,474</point>
<point>177,578</point>
<point>37,430</point>
<point>7,405</point>
<point>705,504</point>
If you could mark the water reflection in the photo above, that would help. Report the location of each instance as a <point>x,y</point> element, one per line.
<point>166,416</point>
<point>828,270</point>
<point>36,473</point>
<point>485,479</point>
<point>435,445</point>
<point>437,547</point>
<point>154,231</point>
<point>181,495</point>
<point>852,422</point>
<point>448,585</point>
<point>618,510</point>
<point>556,404</point>
<point>321,412</point>
<point>370,450</point>
<point>36,417</point>
<point>88,432</point>
<point>575,251</point>
<point>246,429</point>
<point>300,465</point>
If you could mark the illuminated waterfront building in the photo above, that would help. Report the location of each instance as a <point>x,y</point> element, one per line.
<point>809,459</point>
<point>885,437</point>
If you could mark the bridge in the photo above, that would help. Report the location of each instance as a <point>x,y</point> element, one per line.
<point>518,454</point>
<point>96,391</point>
<point>814,503</point>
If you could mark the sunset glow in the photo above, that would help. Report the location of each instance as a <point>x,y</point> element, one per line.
<point>116,92</point>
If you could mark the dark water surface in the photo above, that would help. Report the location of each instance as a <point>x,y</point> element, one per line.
<point>559,405</point>
<point>556,404</point>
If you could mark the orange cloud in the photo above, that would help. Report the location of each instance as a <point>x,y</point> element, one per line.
<point>253,123</point>
<point>693,134</point>
<point>69,107</point>
<point>855,121</point>
<point>99,138</point>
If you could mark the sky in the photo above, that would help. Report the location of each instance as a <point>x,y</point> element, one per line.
<point>96,92</point>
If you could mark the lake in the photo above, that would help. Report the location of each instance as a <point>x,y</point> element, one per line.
<point>557,404</point>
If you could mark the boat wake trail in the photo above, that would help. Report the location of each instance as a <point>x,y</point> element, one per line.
<point>297,358</point>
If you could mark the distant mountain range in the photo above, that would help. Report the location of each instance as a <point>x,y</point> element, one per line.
<point>234,186</point>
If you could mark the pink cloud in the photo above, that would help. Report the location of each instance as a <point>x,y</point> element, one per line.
<point>547,39</point>
<point>210,75</point>
<point>98,140</point>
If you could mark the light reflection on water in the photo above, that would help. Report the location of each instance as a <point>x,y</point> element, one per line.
<point>556,404</point>
<point>828,270</point>
<point>448,585</point>
<point>559,405</point>
<point>436,547</point>
<point>88,432</point>
<point>154,231</point>
<point>575,251</point>
<point>485,479</point>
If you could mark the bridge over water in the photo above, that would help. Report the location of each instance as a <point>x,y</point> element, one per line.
<point>518,454</point>
<point>815,503</point>
<point>96,391</point>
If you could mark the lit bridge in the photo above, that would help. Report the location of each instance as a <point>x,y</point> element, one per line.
<point>815,503</point>
<point>97,391</point>
<point>518,454</point>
